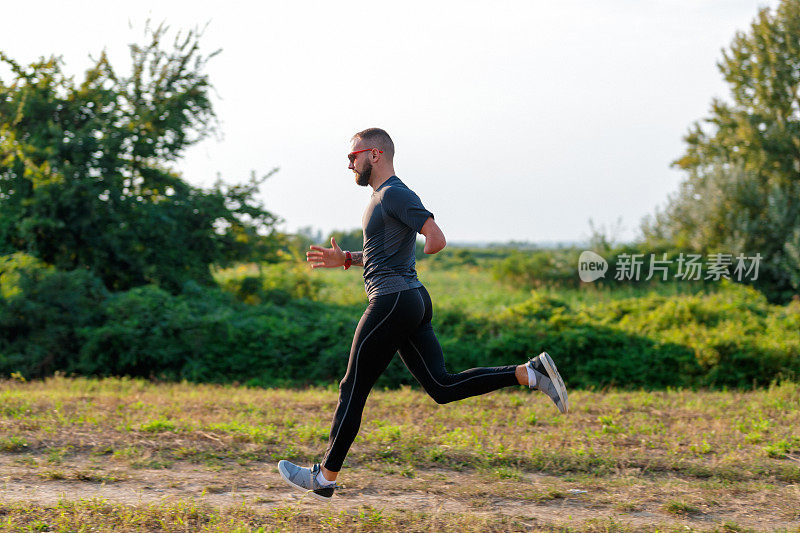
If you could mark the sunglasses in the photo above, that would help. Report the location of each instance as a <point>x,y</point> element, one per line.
<point>352,155</point>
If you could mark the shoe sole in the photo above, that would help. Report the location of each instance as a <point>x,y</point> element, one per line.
<point>311,492</point>
<point>555,377</point>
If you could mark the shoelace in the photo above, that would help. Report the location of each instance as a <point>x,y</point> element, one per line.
<point>314,472</point>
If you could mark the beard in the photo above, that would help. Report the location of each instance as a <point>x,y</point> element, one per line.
<point>362,178</point>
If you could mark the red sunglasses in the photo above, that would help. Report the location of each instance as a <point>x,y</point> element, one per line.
<point>352,155</point>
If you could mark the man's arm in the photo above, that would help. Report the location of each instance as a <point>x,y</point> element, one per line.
<point>434,238</point>
<point>332,257</point>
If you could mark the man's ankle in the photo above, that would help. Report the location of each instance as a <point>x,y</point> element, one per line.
<point>322,480</point>
<point>327,474</point>
<point>521,374</point>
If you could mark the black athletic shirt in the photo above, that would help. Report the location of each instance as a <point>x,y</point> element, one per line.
<point>391,222</point>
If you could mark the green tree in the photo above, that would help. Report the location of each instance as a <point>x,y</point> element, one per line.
<point>742,193</point>
<point>87,174</point>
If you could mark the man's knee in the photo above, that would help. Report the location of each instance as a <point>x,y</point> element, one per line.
<point>440,395</point>
<point>346,387</point>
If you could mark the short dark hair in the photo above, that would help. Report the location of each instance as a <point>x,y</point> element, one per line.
<point>379,138</point>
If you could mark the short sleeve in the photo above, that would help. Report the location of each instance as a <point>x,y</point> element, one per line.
<point>403,204</point>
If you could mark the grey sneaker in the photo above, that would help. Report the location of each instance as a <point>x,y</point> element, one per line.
<point>549,381</point>
<point>306,479</point>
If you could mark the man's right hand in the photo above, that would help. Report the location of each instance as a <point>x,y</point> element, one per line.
<point>326,257</point>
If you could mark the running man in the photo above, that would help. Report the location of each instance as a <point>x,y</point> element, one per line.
<point>398,316</point>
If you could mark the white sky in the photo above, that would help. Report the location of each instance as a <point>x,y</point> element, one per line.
<point>511,119</point>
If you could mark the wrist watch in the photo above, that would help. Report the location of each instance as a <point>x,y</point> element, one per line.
<point>348,260</point>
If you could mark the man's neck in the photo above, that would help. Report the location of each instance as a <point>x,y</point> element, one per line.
<point>376,181</point>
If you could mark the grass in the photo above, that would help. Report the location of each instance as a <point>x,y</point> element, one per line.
<point>13,443</point>
<point>681,508</point>
<point>695,434</point>
<point>473,288</point>
<point>184,516</point>
<point>667,453</point>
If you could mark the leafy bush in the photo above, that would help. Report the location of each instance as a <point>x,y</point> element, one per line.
<point>66,321</point>
<point>206,335</point>
<point>451,257</point>
<point>539,268</point>
<point>278,283</point>
<point>735,336</point>
<point>42,312</point>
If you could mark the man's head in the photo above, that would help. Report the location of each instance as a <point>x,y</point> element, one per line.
<point>371,149</point>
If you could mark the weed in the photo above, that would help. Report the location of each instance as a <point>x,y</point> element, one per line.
<point>56,454</point>
<point>508,473</point>
<point>679,507</point>
<point>53,474</point>
<point>627,507</point>
<point>311,434</point>
<point>608,425</point>
<point>13,443</point>
<point>26,460</point>
<point>702,448</point>
<point>95,477</point>
<point>373,517</point>
<point>407,471</point>
<point>732,527</point>
<point>215,489</point>
<point>158,425</point>
<point>546,496</point>
<point>779,449</point>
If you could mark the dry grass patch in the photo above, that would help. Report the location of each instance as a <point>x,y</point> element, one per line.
<point>619,461</point>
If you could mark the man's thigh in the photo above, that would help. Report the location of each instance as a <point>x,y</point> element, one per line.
<point>380,332</point>
<point>423,356</point>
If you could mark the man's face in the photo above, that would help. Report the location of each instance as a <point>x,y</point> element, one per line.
<point>361,163</point>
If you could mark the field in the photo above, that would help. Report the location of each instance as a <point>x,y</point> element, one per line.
<point>130,455</point>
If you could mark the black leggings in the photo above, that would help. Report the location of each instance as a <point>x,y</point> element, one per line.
<point>400,321</point>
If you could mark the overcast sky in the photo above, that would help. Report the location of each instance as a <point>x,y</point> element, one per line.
<point>511,119</point>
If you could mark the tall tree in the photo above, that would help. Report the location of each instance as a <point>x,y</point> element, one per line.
<point>87,175</point>
<point>742,193</point>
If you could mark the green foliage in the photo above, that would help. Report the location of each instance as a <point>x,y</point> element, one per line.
<point>12,267</point>
<point>158,425</point>
<point>558,268</point>
<point>278,283</point>
<point>352,240</point>
<point>85,176</point>
<point>296,245</point>
<point>592,353</point>
<point>538,268</point>
<point>42,316</point>
<point>735,337</point>
<point>207,335</point>
<point>452,257</point>
<point>742,193</point>
<point>281,325</point>
<point>680,508</point>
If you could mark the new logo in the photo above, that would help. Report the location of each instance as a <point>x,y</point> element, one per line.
<point>591,266</point>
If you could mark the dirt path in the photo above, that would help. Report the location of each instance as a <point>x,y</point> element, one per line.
<point>536,499</point>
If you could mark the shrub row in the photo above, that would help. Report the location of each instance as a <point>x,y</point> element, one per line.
<point>67,321</point>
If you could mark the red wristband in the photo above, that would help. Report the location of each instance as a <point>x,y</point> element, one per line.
<point>348,260</point>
